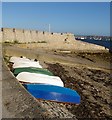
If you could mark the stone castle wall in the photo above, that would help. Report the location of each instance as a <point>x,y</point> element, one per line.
<point>45,39</point>
<point>27,36</point>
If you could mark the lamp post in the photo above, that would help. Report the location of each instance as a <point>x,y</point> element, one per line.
<point>49,28</point>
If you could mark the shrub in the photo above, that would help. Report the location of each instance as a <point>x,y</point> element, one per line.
<point>15,42</point>
<point>6,42</point>
<point>42,42</point>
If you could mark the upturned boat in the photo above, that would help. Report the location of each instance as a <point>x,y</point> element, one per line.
<point>39,78</point>
<point>32,70</point>
<point>53,93</point>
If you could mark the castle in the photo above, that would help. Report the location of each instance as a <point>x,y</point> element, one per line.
<point>45,39</point>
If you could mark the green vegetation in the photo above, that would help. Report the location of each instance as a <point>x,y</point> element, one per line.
<point>15,42</point>
<point>41,42</point>
<point>7,42</point>
<point>33,42</point>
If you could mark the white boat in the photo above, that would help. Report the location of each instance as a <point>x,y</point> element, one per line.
<point>82,38</point>
<point>16,59</point>
<point>39,78</point>
<point>21,64</point>
<point>24,62</point>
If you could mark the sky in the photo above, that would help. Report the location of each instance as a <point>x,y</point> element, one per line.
<point>56,0</point>
<point>0,14</point>
<point>79,18</point>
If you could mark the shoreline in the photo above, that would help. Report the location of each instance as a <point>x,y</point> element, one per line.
<point>87,73</point>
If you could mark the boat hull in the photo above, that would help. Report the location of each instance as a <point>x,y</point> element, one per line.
<point>39,78</point>
<point>32,70</point>
<point>53,93</point>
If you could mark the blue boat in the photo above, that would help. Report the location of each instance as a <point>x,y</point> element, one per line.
<point>53,93</point>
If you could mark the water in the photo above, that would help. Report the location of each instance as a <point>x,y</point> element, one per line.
<point>105,43</point>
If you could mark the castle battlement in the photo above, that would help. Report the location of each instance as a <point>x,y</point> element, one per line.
<point>51,40</point>
<point>26,36</point>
